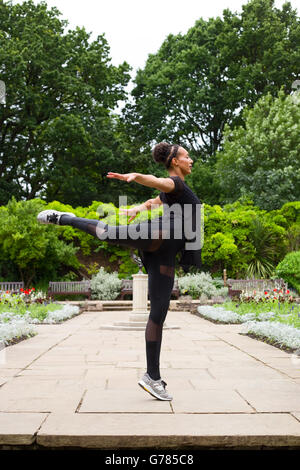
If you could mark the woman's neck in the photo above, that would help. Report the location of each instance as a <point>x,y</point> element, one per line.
<point>173,173</point>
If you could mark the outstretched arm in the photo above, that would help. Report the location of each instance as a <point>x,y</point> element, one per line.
<point>165,185</point>
<point>134,211</point>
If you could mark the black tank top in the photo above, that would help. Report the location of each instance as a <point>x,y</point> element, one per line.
<point>192,219</point>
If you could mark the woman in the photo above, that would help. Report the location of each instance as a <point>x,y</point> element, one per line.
<point>158,253</point>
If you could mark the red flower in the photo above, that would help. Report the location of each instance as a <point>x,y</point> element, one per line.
<point>7,291</point>
<point>275,290</point>
<point>287,291</point>
<point>33,288</point>
<point>22,290</point>
<point>266,292</point>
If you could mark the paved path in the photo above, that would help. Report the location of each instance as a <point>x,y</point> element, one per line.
<point>76,385</point>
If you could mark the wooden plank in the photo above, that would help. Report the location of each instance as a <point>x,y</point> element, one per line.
<point>69,287</point>
<point>11,286</point>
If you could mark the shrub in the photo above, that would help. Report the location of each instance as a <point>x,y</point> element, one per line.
<point>198,284</point>
<point>38,254</point>
<point>105,286</point>
<point>35,250</point>
<point>289,269</point>
<point>276,332</point>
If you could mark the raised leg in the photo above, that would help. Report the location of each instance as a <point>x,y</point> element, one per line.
<point>150,234</point>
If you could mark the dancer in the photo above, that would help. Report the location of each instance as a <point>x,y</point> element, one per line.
<point>166,236</point>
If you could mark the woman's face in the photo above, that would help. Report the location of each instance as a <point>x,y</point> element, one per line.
<point>184,161</point>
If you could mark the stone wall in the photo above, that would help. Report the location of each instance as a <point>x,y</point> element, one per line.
<point>190,305</point>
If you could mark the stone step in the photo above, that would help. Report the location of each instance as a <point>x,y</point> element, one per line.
<point>116,308</point>
<point>159,430</point>
<point>118,304</point>
<point>134,326</point>
<point>122,328</point>
<point>134,317</point>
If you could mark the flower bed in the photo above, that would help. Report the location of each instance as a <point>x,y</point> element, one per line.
<point>53,313</point>
<point>273,317</point>
<point>280,295</point>
<point>19,312</point>
<point>15,329</point>
<point>277,334</point>
<point>222,315</point>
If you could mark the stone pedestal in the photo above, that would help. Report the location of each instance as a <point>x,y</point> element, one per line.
<point>140,294</point>
<point>140,313</point>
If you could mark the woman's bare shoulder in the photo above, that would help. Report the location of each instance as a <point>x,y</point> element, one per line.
<point>165,185</point>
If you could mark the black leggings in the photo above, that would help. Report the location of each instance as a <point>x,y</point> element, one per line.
<point>158,255</point>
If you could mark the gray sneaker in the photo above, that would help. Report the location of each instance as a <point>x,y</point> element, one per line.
<point>51,216</point>
<point>156,388</point>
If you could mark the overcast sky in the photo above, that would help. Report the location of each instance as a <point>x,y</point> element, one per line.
<point>136,28</point>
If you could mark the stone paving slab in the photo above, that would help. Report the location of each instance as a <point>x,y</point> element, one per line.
<point>170,430</point>
<point>246,343</point>
<point>289,371</point>
<point>19,428</point>
<point>75,384</point>
<point>100,372</point>
<point>209,401</point>
<point>114,401</point>
<point>53,371</point>
<point>296,414</point>
<point>237,383</point>
<point>8,373</point>
<point>29,387</point>
<point>37,402</point>
<point>271,400</point>
<point>250,372</point>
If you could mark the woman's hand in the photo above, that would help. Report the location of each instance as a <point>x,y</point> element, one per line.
<point>124,177</point>
<point>133,212</point>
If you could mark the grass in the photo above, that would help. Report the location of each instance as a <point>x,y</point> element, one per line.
<point>16,321</point>
<point>39,311</point>
<point>284,312</point>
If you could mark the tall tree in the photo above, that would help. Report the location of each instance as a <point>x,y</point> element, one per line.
<point>262,159</point>
<point>57,127</point>
<point>198,82</point>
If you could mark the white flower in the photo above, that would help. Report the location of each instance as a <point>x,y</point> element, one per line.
<point>57,316</point>
<point>105,286</point>
<point>15,328</point>
<point>219,313</point>
<point>200,283</point>
<point>285,335</point>
<point>13,325</point>
<point>258,325</point>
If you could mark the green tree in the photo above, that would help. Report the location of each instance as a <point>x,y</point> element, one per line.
<point>289,269</point>
<point>57,131</point>
<point>236,236</point>
<point>29,250</point>
<point>204,183</point>
<point>265,243</point>
<point>262,159</point>
<point>200,81</point>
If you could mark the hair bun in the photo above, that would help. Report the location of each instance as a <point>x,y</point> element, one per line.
<point>161,152</point>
